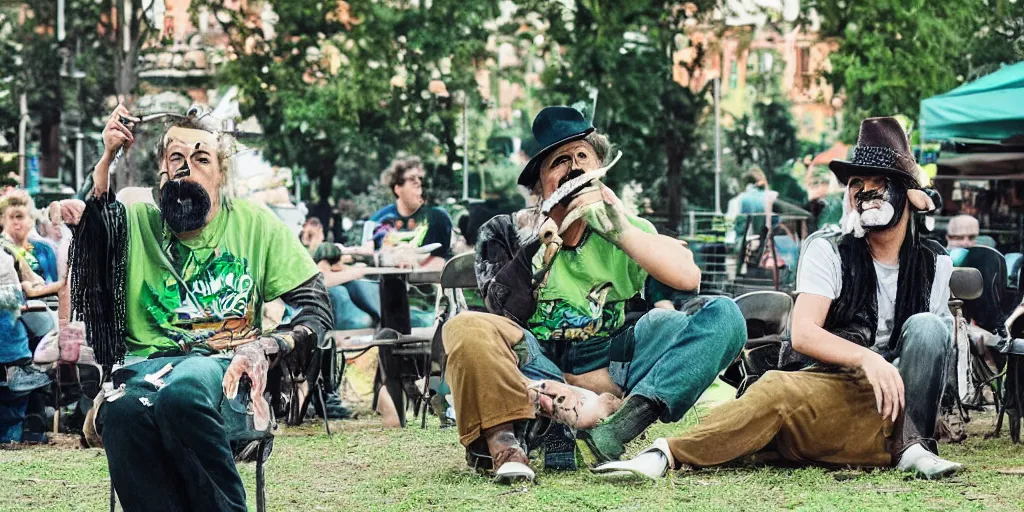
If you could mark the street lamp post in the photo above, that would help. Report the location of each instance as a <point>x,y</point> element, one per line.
<point>465,149</point>
<point>718,146</point>
<point>22,134</point>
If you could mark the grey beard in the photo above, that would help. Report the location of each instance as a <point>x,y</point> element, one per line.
<point>878,217</point>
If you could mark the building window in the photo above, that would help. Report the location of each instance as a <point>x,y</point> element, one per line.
<point>805,75</point>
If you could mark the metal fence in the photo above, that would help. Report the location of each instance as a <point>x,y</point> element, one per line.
<point>737,255</point>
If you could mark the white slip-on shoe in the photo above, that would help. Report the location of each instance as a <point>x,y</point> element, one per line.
<point>512,472</point>
<point>513,466</point>
<point>651,463</point>
<point>926,464</point>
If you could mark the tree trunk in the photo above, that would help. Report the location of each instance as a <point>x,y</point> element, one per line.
<point>324,185</point>
<point>444,177</point>
<point>49,149</point>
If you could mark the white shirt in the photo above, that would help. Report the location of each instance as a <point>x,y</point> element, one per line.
<point>820,272</point>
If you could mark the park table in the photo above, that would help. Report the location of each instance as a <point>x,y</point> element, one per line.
<point>394,353</point>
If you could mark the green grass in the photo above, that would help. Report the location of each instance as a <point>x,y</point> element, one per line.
<point>366,468</point>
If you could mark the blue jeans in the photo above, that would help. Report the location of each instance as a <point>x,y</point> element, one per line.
<point>356,304</point>
<point>922,361</point>
<point>667,356</point>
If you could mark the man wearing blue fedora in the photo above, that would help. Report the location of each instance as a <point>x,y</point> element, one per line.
<point>556,279</point>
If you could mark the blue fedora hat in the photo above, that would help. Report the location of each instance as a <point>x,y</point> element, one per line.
<point>553,127</point>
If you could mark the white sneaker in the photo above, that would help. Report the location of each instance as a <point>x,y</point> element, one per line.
<point>512,472</point>
<point>514,466</point>
<point>926,464</point>
<point>651,463</point>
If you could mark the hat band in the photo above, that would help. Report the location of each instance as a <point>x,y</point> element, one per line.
<point>877,156</point>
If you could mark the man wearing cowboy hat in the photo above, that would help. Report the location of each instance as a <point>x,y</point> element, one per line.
<point>558,313</point>
<point>872,325</point>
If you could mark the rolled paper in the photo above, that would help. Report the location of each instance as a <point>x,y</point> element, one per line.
<point>575,185</point>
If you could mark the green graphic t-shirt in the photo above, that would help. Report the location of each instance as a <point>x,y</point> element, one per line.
<point>586,290</point>
<point>185,294</point>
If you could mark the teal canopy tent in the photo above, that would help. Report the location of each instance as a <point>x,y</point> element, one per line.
<point>987,108</point>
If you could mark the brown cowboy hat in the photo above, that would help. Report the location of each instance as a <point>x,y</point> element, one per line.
<point>882,149</point>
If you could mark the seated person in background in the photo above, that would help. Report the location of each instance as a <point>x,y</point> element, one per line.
<point>356,301</point>
<point>63,236</point>
<point>312,234</point>
<point>32,285</point>
<point>873,313</point>
<point>17,220</point>
<point>175,293</point>
<point>962,231</point>
<point>17,374</point>
<point>408,221</point>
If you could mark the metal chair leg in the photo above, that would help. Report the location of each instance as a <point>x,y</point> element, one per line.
<point>56,400</point>
<point>425,396</point>
<point>261,497</point>
<point>323,408</point>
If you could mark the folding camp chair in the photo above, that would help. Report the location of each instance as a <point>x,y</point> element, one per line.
<point>406,359</point>
<point>458,275</point>
<point>767,315</point>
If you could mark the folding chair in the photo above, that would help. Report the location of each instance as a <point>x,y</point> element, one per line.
<point>458,275</point>
<point>399,365</point>
<point>991,311</point>
<point>767,315</point>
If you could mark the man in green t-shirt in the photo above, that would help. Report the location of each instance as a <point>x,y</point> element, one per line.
<point>558,313</point>
<point>174,292</point>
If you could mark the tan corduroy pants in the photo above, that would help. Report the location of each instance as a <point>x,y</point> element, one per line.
<point>483,373</point>
<point>807,416</point>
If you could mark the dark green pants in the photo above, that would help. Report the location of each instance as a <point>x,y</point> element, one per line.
<point>168,449</point>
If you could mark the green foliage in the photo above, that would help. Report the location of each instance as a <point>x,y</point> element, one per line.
<point>341,91</point>
<point>765,136</point>
<point>998,40</point>
<point>894,53</point>
<point>622,51</point>
<point>33,62</point>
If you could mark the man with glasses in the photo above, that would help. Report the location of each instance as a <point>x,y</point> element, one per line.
<point>408,221</point>
<point>962,231</point>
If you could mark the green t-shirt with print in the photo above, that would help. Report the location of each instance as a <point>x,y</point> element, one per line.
<point>183,294</point>
<point>586,290</point>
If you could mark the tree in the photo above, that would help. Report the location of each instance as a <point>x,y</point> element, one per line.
<point>894,53</point>
<point>998,40</point>
<point>342,89</point>
<point>34,62</point>
<point>10,66</point>
<point>627,53</point>
<point>764,136</point>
